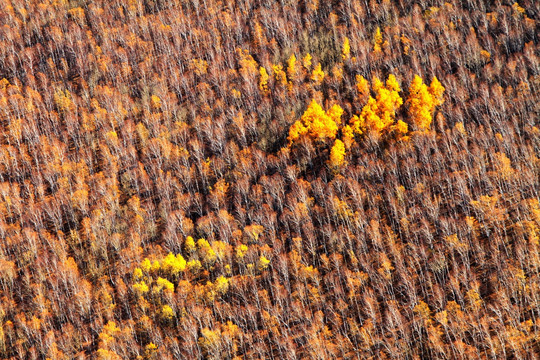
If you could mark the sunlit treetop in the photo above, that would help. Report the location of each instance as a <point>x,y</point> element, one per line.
<point>337,154</point>
<point>317,74</point>
<point>379,113</point>
<point>422,101</point>
<point>346,49</point>
<point>316,123</point>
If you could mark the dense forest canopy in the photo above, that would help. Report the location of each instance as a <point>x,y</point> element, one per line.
<point>254,179</point>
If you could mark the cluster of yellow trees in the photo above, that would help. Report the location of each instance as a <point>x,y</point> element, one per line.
<point>378,115</point>
<point>317,124</point>
<point>156,281</point>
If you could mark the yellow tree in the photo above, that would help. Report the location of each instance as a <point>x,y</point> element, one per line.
<point>346,49</point>
<point>280,75</point>
<point>263,81</point>
<point>423,100</point>
<point>317,124</point>
<point>437,91</point>
<point>306,61</point>
<point>318,75</point>
<point>337,154</point>
<point>362,86</point>
<point>378,41</point>
<point>379,113</point>
<point>291,67</point>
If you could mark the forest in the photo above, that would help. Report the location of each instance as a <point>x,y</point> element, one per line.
<point>257,179</point>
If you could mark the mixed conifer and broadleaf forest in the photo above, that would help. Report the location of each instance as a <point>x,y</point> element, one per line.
<point>257,179</point>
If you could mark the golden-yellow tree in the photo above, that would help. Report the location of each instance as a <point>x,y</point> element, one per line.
<point>263,81</point>
<point>337,154</point>
<point>316,124</point>
<point>379,113</point>
<point>422,101</point>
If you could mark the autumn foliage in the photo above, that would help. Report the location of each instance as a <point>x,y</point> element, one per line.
<point>316,124</point>
<point>423,100</point>
<point>269,179</point>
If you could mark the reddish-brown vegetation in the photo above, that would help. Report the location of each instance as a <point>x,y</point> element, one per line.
<point>269,179</point>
